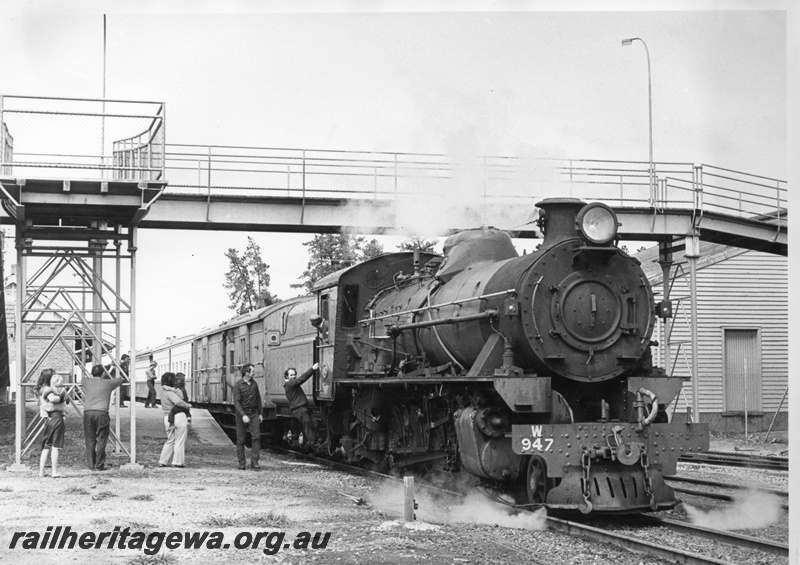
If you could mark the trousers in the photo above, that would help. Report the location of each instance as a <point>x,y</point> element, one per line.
<point>309,435</point>
<point>96,427</point>
<point>151,395</point>
<point>254,427</point>
<point>175,446</point>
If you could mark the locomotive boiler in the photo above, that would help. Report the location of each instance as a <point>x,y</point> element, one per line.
<point>531,373</point>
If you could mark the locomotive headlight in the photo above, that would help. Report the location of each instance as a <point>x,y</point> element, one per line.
<point>597,223</point>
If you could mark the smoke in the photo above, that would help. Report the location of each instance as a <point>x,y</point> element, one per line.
<point>460,190</point>
<point>474,509</point>
<point>751,509</point>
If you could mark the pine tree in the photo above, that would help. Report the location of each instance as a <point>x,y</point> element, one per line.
<point>371,249</point>
<point>247,279</point>
<point>329,253</point>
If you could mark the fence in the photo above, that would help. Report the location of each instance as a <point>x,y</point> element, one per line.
<point>69,138</point>
<point>254,171</point>
<point>84,138</point>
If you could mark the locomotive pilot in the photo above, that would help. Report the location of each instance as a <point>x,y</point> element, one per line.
<point>298,401</point>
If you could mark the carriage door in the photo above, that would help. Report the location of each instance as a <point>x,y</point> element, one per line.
<point>323,381</point>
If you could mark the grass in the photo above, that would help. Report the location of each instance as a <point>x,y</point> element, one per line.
<point>158,559</point>
<point>270,518</point>
<point>143,497</point>
<point>74,490</point>
<point>103,495</point>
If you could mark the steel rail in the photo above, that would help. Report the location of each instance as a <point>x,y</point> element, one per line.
<point>739,540</point>
<point>84,114</point>
<point>706,482</point>
<point>712,495</point>
<point>60,98</point>
<point>630,543</point>
<point>734,460</point>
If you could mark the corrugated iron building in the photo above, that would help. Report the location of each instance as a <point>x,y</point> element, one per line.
<point>743,334</point>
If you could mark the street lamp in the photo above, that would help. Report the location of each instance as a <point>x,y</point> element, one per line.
<point>625,43</point>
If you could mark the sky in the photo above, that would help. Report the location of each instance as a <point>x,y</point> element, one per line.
<point>522,78</point>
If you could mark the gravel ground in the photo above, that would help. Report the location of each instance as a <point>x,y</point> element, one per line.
<point>286,496</point>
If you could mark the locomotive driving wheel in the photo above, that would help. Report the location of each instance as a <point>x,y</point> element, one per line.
<point>537,480</point>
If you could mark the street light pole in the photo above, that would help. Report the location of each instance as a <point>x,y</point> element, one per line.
<point>625,43</point>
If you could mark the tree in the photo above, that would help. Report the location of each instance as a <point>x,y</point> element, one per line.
<point>247,279</point>
<point>372,249</point>
<point>419,243</point>
<point>330,252</point>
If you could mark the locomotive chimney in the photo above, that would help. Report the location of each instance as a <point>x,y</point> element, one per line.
<point>557,218</point>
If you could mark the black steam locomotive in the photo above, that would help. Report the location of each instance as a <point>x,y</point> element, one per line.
<point>532,373</point>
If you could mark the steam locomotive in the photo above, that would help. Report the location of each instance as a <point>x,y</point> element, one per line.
<point>531,373</point>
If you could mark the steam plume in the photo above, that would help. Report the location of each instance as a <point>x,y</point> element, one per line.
<point>474,509</point>
<point>750,510</point>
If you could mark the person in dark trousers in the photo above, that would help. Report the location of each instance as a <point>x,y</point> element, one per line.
<point>247,401</point>
<point>150,401</point>
<point>97,391</point>
<point>298,401</point>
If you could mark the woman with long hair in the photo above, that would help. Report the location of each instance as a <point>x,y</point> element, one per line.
<point>52,406</point>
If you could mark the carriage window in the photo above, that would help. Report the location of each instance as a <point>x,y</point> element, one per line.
<point>242,350</point>
<point>350,306</point>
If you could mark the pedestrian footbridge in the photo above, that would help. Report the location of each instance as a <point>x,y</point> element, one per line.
<point>52,181</point>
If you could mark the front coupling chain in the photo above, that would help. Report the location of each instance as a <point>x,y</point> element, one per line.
<point>586,464</point>
<point>648,483</point>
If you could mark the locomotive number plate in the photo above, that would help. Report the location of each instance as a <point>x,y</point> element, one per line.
<point>536,444</point>
<point>531,440</point>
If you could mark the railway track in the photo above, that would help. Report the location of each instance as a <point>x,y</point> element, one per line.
<point>739,540</point>
<point>723,486</point>
<point>636,542</point>
<point>737,460</point>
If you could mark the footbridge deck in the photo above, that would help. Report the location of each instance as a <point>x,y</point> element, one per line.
<point>187,186</point>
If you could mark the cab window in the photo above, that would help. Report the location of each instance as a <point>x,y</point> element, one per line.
<point>350,306</point>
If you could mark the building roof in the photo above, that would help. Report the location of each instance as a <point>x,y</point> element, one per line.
<point>710,254</point>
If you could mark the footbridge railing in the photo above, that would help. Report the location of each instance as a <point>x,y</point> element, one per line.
<point>75,138</point>
<point>81,138</point>
<point>254,171</point>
